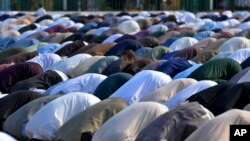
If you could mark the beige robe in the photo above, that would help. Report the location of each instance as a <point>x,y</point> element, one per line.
<point>126,125</point>
<point>218,129</point>
<point>90,120</point>
<point>164,93</point>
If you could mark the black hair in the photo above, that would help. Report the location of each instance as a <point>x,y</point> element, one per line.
<point>129,53</point>
<point>40,5</point>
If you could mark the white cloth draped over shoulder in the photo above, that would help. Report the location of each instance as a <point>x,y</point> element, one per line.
<point>234,44</point>
<point>6,137</point>
<point>2,95</point>
<point>62,75</point>
<point>129,27</point>
<point>141,84</point>
<point>67,65</point>
<point>240,55</point>
<point>112,38</point>
<point>184,94</point>
<point>85,83</point>
<point>41,12</point>
<point>182,43</point>
<point>46,121</point>
<point>46,60</point>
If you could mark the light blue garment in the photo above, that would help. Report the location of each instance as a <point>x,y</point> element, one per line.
<point>49,48</point>
<point>240,55</point>
<point>221,25</point>
<point>112,38</point>
<point>142,51</point>
<point>192,62</point>
<point>27,34</point>
<point>158,27</point>
<point>221,55</point>
<point>100,30</point>
<point>187,72</point>
<point>240,14</point>
<point>204,34</point>
<point>87,27</point>
<point>208,25</point>
<point>144,14</point>
<point>5,42</point>
<point>24,43</point>
<point>245,25</point>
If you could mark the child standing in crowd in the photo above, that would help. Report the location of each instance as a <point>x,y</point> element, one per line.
<point>40,11</point>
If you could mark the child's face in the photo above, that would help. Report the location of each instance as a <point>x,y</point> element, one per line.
<point>126,61</point>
